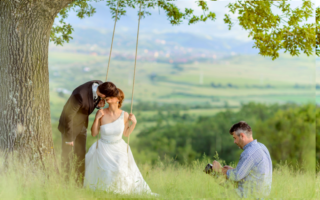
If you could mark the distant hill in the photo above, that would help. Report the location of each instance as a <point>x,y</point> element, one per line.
<point>200,40</point>
<point>161,45</point>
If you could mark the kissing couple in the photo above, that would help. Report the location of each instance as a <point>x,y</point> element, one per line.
<point>107,165</point>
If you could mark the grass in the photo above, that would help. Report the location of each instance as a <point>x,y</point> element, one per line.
<point>167,178</point>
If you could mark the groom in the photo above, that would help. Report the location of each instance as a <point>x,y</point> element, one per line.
<point>73,122</point>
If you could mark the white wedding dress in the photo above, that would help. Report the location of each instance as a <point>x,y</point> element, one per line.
<point>109,167</point>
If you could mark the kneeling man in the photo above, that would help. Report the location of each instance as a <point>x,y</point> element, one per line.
<point>254,170</point>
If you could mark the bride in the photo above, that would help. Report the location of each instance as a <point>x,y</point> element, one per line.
<point>108,165</point>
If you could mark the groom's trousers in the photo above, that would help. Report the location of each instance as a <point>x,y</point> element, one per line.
<point>74,157</point>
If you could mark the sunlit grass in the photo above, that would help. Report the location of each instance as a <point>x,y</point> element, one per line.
<point>167,178</point>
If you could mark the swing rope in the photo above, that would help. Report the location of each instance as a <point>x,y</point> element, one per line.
<point>114,29</point>
<point>135,64</point>
<point>135,61</point>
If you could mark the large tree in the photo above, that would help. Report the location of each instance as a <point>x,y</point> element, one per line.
<point>27,26</point>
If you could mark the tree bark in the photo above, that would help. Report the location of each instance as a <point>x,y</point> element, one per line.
<point>24,77</point>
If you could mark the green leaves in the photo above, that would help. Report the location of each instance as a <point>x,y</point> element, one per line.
<point>287,130</point>
<point>61,32</point>
<point>290,135</point>
<point>272,32</point>
<point>318,31</point>
<point>228,21</point>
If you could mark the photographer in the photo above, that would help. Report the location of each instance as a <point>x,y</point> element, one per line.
<point>254,170</point>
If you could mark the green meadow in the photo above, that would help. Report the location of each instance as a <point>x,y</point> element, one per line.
<point>227,82</point>
<point>167,179</point>
<point>205,89</point>
<point>163,84</point>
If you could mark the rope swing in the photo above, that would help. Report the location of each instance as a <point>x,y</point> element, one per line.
<point>135,61</point>
<point>114,29</point>
<point>135,64</point>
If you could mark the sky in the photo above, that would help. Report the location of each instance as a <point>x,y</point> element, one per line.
<point>158,23</point>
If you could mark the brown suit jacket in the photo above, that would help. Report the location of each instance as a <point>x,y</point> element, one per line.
<point>75,113</point>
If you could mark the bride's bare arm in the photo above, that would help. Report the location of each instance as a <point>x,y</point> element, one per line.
<point>128,129</point>
<point>95,128</point>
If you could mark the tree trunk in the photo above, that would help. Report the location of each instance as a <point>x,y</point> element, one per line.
<point>24,78</point>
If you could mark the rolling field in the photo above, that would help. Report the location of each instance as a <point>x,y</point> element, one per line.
<point>233,80</point>
<point>225,82</point>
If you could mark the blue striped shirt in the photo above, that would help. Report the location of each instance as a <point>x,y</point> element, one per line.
<point>253,172</point>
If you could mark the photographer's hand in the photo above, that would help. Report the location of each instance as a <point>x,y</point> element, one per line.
<point>216,166</point>
<point>228,167</point>
<point>225,169</point>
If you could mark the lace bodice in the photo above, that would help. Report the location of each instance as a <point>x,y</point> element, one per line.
<point>112,132</point>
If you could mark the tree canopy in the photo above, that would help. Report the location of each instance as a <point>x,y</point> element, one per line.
<point>287,130</point>
<point>271,32</point>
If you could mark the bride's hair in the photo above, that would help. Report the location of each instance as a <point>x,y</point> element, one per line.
<point>120,97</point>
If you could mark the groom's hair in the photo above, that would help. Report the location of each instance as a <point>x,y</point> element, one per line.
<point>241,127</point>
<point>109,89</point>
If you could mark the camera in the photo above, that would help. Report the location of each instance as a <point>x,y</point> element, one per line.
<point>208,169</point>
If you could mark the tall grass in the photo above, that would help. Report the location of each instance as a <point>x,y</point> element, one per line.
<point>167,178</point>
